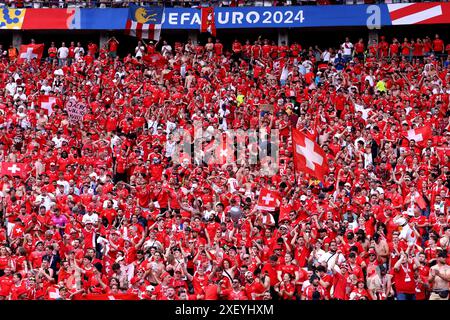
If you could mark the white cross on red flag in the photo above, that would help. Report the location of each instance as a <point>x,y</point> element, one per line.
<point>420,135</point>
<point>269,200</point>
<point>308,156</point>
<point>13,169</point>
<point>47,103</point>
<point>29,52</point>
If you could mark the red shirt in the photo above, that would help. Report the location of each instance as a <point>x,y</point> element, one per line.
<point>340,285</point>
<point>113,45</point>
<point>359,47</point>
<point>236,295</point>
<point>255,287</point>
<point>404,279</point>
<point>438,45</point>
<point>309,292</point>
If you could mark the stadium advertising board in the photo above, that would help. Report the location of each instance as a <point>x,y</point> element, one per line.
<point>230,18</point>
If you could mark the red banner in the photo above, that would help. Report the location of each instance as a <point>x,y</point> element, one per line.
<point>42,19</point>
<point>208,21</point>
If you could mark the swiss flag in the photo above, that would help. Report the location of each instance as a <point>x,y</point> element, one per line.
<point>421,134</point>
<point>47,103</point>
<point>224,153</point>
<point>29,52</point>
<point>155,59</point>
<point>308,156</point>
<point>13,169</point>
<point>219,152</point>
<point>268,200</point>
<point>417,198</point>
<point>53,293</point>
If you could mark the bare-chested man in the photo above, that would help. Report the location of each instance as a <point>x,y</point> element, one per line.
<point>439,278</point>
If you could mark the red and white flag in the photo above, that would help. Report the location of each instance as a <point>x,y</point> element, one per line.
<point>421,134</point>
<point>308,156</point>
<point>144,22</point>
<point>208,23</point>
<point>13,169</point>
<point>155,59</point>
<point>417,199</point>
<point>29,52</point>
<point>47,103</point>
<point>224,153</point>
<point>419,13</point>
<point>269,200</point>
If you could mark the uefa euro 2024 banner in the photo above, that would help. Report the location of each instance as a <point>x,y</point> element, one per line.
<point>372,16</point>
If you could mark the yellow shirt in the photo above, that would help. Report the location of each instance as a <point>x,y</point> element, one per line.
<point>240,99</point>
<point>381,86</point>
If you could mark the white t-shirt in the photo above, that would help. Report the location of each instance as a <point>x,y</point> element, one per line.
<point>328,257</point>
<point>47,88</point>
<point>63,52</point>
<point>326,56</point>
<point>90,218</point>
<point>139,50</point>
<point>58,141</point>
<point>370,79</point>
<point>166,49</point>
<point>11,88</point>
<point>347,48</point>
<point>77,51</point>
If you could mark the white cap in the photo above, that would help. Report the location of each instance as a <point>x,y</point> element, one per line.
<point>303,198</point>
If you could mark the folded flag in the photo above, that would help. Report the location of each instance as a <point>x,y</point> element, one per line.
<point>144,22</point>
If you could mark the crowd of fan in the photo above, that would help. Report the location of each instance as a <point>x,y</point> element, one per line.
<point>180,3</point>
<point>106,209</point>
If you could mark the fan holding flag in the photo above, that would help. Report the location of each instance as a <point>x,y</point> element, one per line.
<point>48,103</point>
<point>144,22</point>
<point>420,135</point>
<point>308,156</point>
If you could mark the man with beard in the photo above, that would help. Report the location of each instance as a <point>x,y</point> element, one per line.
<point>254,288</point>
<point>314,291</point>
